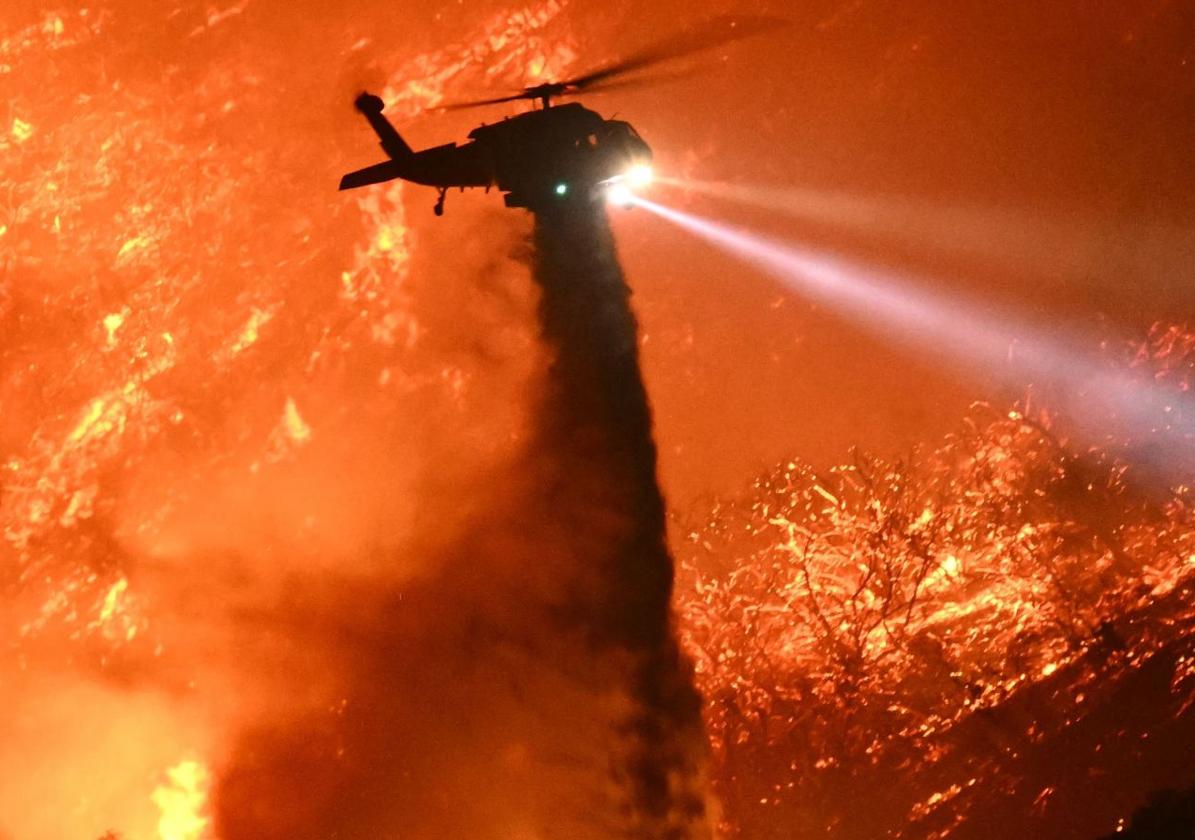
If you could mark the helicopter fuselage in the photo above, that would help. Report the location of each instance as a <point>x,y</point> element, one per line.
<point>546,156</point>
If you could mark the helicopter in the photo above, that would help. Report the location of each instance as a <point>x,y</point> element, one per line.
<point>553,154</point>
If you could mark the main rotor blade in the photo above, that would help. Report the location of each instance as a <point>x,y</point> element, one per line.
<point>712,33</point>
<point>652,80</point>
<point>456,106</point>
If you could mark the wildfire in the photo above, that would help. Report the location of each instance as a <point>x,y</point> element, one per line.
<point>171,316</point>
<point>116,620</point>
<point>249,334</point>
<point>183,802</point>
<point>105,415</point>
<point>864,616</point>
<point>112,323</point>
<point>21,130</point>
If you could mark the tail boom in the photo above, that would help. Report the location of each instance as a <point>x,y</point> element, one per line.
<point>391,141</point>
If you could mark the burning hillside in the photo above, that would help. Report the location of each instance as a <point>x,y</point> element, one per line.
<point>980,637</point>
<point>319,517</point>
<point>320,553</point>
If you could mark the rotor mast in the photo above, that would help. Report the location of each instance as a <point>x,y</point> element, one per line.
<point>544,93</point>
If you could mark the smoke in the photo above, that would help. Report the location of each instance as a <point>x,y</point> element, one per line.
<point>513,674</point>
<point>290,544</point>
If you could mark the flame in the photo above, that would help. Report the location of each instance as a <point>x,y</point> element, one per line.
<point>172,324</point>
<point>112,599</point>
<point>871,610</point>
<point>292,422</point>
<point>105,415</point>
<point>389,236</point>
<point>113,322</point>
<point>136,243</point>
<point>21,130</point>
<point>258,318</point>
<point>817,607</point>
<point>183,801</point>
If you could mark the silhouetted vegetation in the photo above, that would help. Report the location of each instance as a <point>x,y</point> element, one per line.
<point>1170,815</point>
<point>990,596</point>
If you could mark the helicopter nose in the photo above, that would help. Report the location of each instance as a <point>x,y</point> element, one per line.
<point>640,174</point>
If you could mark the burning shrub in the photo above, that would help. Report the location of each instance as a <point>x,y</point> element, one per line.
<point>854,620</point>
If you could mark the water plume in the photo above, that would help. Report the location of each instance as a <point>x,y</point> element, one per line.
<point>595,426</point>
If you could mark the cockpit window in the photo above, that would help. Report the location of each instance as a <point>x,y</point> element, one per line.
<point>618,128</point>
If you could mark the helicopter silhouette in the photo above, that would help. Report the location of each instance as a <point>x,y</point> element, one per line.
<point>553,154</point>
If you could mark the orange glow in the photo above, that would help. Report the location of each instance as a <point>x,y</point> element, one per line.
<point>878,608</point>
<point>256,433</point>
<point>183,802</point>
<point>249,334</point>
<point>21,130</point>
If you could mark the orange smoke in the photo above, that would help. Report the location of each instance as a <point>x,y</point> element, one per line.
<point>222,382</point>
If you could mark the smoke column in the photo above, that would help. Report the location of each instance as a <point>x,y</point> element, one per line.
<point>595,425</point>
